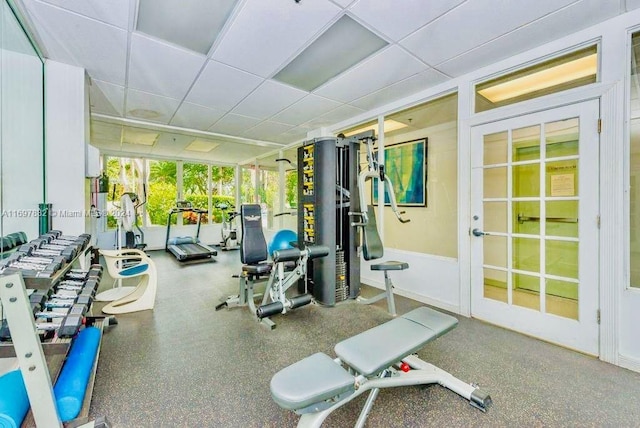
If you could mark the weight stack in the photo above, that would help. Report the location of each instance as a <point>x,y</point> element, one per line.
<point>342,288</point>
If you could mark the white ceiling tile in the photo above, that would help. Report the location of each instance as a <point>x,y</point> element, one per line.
<point>306,109</point>
<point>268,99</point>
<point>266,130</point>
<point>576,17</point>
<point>472,24</point>
<point>233,153</point>
<point>291,136</point>
<point>391,66</point>
<point>221,86</point>
<point>404,88</point>
<point>136,148</point>
<point>170,144</point>
<point>196,117</point>
<point>109,98</point>
<point>343,3</point>
<point>397,21</point>
<point>105,134</point>
<point>162,69</point>
<point>150,107</point>
<point>72,39</point>
<point>114,12</point>
<point>341,113</point>
<point>265,34</point>
<point>234,124</point>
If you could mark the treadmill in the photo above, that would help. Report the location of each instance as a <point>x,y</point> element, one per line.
<point>187,248</point>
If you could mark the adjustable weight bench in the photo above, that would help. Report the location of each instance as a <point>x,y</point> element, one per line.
<point>381,357</point>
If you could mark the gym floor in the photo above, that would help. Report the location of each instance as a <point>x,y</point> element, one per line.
<point>183,364</point>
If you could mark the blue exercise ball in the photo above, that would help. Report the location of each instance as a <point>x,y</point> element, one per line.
<point>282,240</point>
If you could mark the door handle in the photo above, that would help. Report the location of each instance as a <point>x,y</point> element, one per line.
<point>478,232</point>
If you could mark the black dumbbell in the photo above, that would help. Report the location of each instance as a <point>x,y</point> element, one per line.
<point>40,249</point>
<point>28,272</point>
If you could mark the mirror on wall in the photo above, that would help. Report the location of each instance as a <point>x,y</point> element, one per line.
<point>22,186</point>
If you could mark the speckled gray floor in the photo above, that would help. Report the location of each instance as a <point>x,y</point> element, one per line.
<point>185,365</point>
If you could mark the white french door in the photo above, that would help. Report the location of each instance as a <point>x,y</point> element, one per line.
<point>534,227</point>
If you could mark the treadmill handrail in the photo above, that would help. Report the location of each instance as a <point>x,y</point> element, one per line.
<point>176,210</point>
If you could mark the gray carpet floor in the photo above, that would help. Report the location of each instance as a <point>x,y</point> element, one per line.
<point>185,365</point>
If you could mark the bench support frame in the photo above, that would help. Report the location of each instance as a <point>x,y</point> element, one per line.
<point>421,373</point>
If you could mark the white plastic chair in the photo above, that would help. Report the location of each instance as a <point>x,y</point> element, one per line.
<point>138,264</point>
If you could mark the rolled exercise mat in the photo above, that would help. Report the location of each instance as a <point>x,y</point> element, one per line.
<point>74,376</point>
<point>14,402</point>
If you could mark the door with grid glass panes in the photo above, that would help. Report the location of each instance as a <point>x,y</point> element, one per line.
<point>534,226</point>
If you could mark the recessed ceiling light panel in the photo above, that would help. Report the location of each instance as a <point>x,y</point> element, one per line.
<point>203,146</point>
<point>139,136</point>
<point>342,46</point>
<point>193,24</point>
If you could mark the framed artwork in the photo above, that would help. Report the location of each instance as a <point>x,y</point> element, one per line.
<point>406,165</point>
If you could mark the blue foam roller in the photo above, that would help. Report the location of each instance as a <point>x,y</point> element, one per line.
<point>14,402</point>
<point>74,376</point>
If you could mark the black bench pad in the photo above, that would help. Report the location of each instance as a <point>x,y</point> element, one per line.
<point>257,269</point>
<point>390,265</point>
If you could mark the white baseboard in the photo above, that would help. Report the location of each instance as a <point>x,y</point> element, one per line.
<point>629,363</point>
<point>414,296</point>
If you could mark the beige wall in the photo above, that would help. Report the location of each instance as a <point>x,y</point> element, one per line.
<point>433,229</point>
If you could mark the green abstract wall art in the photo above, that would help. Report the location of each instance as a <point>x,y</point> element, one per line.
<point>406,165</point>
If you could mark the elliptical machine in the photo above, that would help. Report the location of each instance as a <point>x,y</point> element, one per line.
<point>129,204</point>
<point>229,231</point>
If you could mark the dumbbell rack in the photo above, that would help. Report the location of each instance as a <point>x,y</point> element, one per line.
<point>30,352</point>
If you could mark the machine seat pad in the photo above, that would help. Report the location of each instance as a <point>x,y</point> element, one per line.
<point>378,348</point>
<point>257,269</point>
<point>311,380</point>
<point>390,265</point>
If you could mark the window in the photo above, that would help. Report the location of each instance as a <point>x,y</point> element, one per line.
<point>269,193</point>
<point>162,191</point>
<point>291,180</point>
<point>247,185</point>
<point>558,74</point>
<point>125,176</point>
<point>223,189</point>
<point>634,165</point>
<point>195,188</point>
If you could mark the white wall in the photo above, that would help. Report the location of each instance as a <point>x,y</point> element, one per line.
<point>620,316</point>
<point>65,134</point>
<point>22,149</point>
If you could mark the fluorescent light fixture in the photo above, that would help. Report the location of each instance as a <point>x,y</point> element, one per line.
<point>389,125</point>
<point>203,146</point>
<point>138,136</point>
<point>543,79</point>
<point>194,24</point>
<point>342,46</point>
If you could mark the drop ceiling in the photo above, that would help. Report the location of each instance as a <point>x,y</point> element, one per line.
<point>169,72</point>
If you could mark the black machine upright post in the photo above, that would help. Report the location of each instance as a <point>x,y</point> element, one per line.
<point>327,190</point>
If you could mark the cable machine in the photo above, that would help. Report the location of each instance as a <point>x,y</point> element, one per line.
<point>327,193</point>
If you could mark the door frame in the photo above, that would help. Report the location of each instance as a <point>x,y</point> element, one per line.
<point>611,97</point>
<point>581,333</point>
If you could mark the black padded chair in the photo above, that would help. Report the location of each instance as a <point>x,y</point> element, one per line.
<point>253,249</point>
<point>372,249</point>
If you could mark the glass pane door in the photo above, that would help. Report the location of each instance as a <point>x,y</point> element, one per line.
<point>536,257</point>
